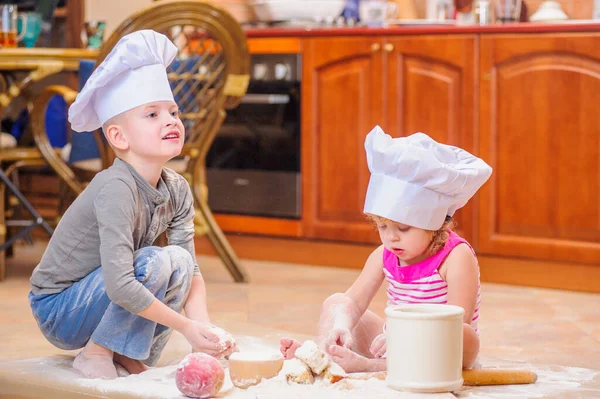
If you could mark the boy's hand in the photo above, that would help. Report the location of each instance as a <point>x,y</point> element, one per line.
<point>202,339</point>
<point>226,342</point>
<point>227,352</point>
<point>378,346</point>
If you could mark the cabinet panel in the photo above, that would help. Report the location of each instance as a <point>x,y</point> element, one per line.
<point>341,103</point>
<point>541,130</point>
<point>432,92</point>
<point>430,89</point>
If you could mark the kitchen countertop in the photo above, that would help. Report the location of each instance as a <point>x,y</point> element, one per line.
<point>591,26</point>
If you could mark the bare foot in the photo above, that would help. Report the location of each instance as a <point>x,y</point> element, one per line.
<point>95,361</point>
<point>131,365</point>
<point>121,371</point>
<point>352,362</point>
<point>288,347</point>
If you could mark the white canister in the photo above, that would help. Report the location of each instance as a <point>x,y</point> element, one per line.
<point>424,347</point>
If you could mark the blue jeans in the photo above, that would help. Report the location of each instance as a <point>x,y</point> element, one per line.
<point>83,311</point>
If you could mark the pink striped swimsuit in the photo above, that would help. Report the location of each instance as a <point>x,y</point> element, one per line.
<point>421,282</point>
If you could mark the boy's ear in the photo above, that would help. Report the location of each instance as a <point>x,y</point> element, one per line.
<point>116,138</point>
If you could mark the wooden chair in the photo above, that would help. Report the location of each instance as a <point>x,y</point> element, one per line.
<point>209,75</point>
<point>11,160</point>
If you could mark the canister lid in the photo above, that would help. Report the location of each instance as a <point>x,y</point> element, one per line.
<point>424,311</point>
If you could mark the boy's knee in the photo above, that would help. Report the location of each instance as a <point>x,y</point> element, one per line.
<point>152,266</point>
<point>181,260</point>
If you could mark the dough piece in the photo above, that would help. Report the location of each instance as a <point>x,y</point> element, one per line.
<point>333,373</point>
<point>224,337</point>
<point>297,371</point>
<point>314,357</point>
<point>199,376</point>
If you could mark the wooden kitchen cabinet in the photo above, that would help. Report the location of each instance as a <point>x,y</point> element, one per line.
<point>405,84</point>
<point>341,102</point>
<point>430,88</point>
<point>540,131</point>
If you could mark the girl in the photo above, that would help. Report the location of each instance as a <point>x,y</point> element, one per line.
<point>416,185</point>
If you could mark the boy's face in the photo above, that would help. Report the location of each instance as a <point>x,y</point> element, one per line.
<point>154,130</point>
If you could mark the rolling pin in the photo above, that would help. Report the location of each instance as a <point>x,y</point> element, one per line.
<point>478,377</point>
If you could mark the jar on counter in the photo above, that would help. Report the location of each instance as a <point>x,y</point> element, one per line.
<point>482,12</point>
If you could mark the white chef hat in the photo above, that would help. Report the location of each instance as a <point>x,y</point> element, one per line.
<point>417,181</point>
<point>132,74</point>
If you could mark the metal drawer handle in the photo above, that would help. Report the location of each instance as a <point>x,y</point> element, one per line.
<point>265,99</point>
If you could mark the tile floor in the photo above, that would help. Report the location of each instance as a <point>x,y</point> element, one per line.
<point>520,327</point>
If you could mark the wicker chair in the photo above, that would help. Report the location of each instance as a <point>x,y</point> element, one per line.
<point>209,75</point>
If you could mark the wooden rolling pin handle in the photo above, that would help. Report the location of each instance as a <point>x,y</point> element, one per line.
<point>498,377</point>
<point>478,377</point>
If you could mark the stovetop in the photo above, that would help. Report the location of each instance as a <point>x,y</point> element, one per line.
<point>308,24</point>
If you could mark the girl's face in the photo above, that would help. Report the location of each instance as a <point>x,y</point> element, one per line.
<point>408,243</point>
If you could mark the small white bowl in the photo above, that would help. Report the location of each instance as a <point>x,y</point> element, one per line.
<point>250,368</point>
<point>549,11</point>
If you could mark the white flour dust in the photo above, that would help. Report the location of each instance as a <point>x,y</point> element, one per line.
<point>159,383</point>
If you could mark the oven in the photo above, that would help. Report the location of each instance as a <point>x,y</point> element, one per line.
<point>253,165</point>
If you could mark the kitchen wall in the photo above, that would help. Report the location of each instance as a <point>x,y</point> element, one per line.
<point>105,10</point>
<point>575,9</point>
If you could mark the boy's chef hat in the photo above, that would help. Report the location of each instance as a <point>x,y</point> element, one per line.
<point>134,73</point>
<point>417,181</point>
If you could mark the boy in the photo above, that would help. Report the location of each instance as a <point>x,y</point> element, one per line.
<point>100,284</point>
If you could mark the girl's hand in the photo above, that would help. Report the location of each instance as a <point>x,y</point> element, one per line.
<point>378,346</point>
<point>202,339</point>
<point>338,336</point>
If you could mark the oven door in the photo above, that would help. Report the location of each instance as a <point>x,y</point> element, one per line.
<point>253,166</point>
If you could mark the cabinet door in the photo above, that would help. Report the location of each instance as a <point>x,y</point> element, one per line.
<point>540,130</point>
<point>342,94</point>
<point>430,88</point>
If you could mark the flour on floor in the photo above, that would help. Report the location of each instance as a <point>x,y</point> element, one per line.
<point>57,372</point>
<point>159,383</point>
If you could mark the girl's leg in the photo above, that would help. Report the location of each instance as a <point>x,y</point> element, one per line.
<point>470,346</point>
<point>368,327</point>
<point>359,358</point>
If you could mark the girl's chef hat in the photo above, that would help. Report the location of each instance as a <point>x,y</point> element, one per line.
<point>417,181</point>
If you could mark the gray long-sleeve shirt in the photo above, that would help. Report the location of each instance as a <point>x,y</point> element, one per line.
<point>118,213</point>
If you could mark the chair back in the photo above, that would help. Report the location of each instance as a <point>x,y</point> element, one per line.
<point>211,70</point>
<point>209,75</point>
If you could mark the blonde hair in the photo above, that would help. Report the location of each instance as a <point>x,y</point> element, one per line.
<point>438,237</point>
